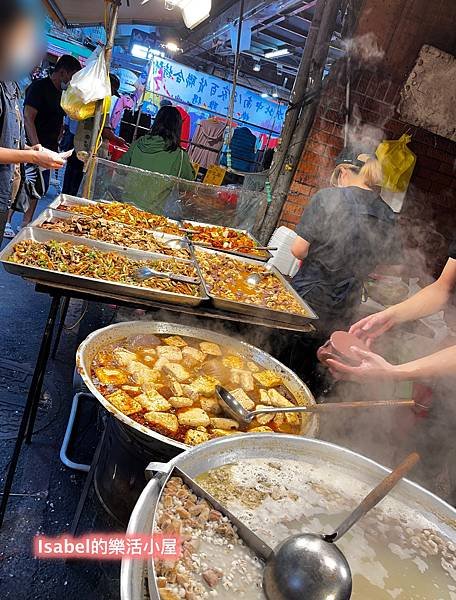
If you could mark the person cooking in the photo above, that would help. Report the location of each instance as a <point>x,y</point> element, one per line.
<point>426,302</point>
<point>345,232</point>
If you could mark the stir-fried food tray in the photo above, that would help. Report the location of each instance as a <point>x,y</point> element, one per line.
<point>113,232</point>
<point>52,257</point>
<point>117,211</point>
<point>225,279</point>
<point>225,239</point>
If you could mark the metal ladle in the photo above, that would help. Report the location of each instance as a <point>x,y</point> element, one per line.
<point>311,566</point>
<point>244,417</point>
<point>147,273</point>
<point>254,279</point>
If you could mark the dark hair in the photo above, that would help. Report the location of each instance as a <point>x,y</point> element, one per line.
<point>68,63</point>
<point>115,84</point>
<point>168,125</point>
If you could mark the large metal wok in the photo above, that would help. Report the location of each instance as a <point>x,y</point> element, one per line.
<point>129,446</point>
<point>134,573</point>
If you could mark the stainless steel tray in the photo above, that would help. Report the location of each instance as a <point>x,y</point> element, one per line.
<point>100,285</point>
<point>53,215</point>
<point>70,201</point>
<point>266,256</point>
<point>252,309</point>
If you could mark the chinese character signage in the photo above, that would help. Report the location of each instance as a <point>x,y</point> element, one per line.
<point>183,84</point>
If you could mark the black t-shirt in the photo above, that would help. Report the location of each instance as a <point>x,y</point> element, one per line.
<point>45,98</point>
<point>350,231</point>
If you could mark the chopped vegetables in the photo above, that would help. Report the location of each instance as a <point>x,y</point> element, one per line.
<point>223,238</point>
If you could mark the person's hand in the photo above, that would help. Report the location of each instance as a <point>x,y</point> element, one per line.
<point>372,367</point>
<point>47,159</point>
<point>36,148</point>
<point>373,326</point>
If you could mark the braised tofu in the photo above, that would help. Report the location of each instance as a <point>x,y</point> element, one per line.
<point>268,379</point>
<point>180,402</point>
<point>152,401</point>
<point>124,357</point>
<point>211,406</point>
<point>166,422</point>
<point>278,400</point>
<point>233,362</point>
<point>166,594</point>
<point>253,367</point>
<point>243,379</point>
<point>111,376</point>
<point>194,417</point>
<point>123,402</point>
<point>221,423</point>
<point>210,348</point>
<point>293,419</point>
<point>172,353</point>
<point>279,420</point>
<point>193,437</point>
<point>263,419</point>
<point>205,385</point>
<point>243,399</point>
<point>189,392</point>
<point>177,371</point>
<point>222,432</point>
<point>262,429</point>
<point>264,398</point>
<point>176,388</point>
<point>176,341</point>
<point>139,372</point>
<point>193,356</point>
<point>161,363</point>
<point>132,390</point>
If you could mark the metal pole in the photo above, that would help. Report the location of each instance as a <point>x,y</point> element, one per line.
<point>235,78</point>
<point>111,34</point>
<point>143,95</point>
<point>302,129</point>
<point>297,95</point>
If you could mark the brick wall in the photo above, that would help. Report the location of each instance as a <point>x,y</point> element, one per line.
<point>429,210</point>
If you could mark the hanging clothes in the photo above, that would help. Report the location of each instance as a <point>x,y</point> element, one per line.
<point>243,149</point>
<point>185,131</point>
<point>207,142</point>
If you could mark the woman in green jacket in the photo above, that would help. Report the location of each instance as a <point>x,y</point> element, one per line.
<point>159,152</point>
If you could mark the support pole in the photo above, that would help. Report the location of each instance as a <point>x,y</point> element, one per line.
<point>306,119</point>
<point>110,35</point>
<point>297,94</point>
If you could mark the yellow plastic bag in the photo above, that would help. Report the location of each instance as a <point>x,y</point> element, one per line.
<point>398,162</point>
<point>76,109</point>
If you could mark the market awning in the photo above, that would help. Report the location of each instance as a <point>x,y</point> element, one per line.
<point>92,12</point>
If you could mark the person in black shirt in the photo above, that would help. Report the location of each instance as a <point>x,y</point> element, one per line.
<point>43,113</point>
<point>345,232</point>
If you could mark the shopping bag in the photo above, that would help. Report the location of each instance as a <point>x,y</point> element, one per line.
<point>92,82</point>
<point>398,162</point>
<point>76,109</point>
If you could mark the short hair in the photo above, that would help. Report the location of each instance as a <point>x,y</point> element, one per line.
<point>166,102</point>
<point>371,171</point>
<point>168,125</point>
<point>68,63</point>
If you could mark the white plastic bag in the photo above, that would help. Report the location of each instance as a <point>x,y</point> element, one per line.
<point>92,82</point>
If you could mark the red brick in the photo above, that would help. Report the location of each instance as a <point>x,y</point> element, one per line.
<point>372,87</point>
<point>429,163</point>
<point>442,179</point>
<point>339,134</point>
<point>396,127</point>
<point>382,89</point>
<point>306,168</point>
<point>290,218</point>
<point>363,82</point>
<point>449,169</point>
<point>422,183</point>
<point>334,116</point>
<point>443,157</point>
<point>300,188</point>
<point>332,152</point>
<point>357,98</point>
<point>392,95</point>
<point>326,126</point>
<point>322,137</point>
<point>316,148</point>
<point>426,137</point>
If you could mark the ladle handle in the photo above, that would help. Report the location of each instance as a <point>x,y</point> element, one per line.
<point>334,406</point>
<point>374,497</point>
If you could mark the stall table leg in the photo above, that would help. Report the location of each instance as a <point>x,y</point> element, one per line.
<point>31,406</point>
<point>63,315</point>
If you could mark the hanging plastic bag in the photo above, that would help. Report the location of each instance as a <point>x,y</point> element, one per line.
<point>76,109</point>
<point>92,82</point>
<point>398,162</point>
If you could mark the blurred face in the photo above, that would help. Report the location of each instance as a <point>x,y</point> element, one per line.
<point>344,176</point>
<point>20,49</point>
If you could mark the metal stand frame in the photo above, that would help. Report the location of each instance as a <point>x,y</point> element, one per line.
<point>31,406</point>
<point>68,433</point>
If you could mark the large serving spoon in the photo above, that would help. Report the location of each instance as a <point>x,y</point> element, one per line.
<point>244,417</point>
<point>311,567</point>
<point>147,273</point>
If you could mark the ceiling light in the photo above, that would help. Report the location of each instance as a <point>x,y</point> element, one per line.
<point>265,95</point>
<point>257,67</point>
<point>194,12</point>
<point>140,51</point>
<point>277,53</point>
<point>172,47</point>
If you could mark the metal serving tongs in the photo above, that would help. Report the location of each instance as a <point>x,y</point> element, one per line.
<point>147,273</point>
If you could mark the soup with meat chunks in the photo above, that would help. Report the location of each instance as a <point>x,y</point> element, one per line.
<point>167,384</point>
